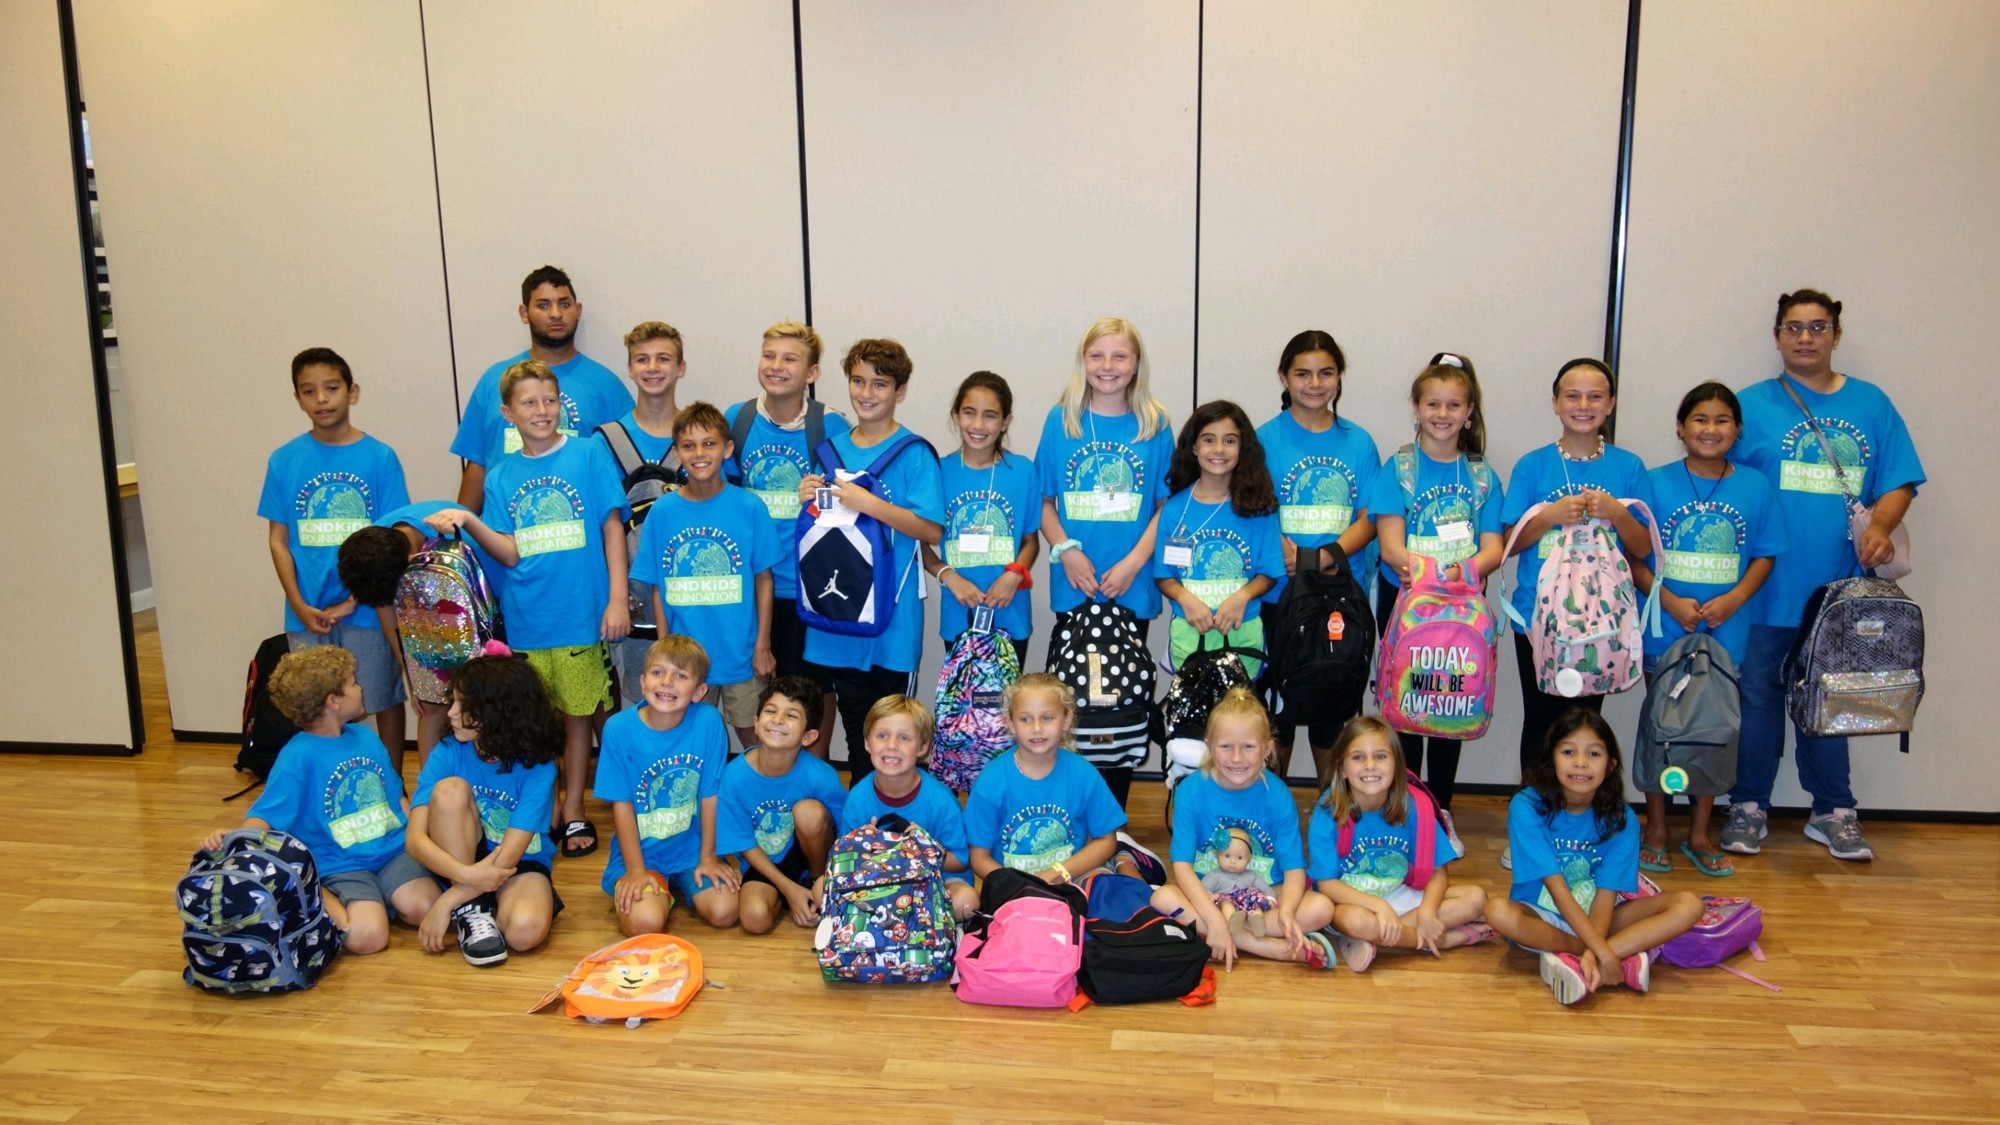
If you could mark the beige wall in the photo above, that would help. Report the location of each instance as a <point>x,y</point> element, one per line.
<point>61,680</point>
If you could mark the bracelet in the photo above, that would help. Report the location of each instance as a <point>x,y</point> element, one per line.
<point>940,571</point>
<point>1056,551</point>
<point>1027,580</point>
<point>1061,870</point>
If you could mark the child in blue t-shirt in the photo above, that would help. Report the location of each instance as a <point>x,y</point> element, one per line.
<point>589,396</point>
<point>1576,848</point>
<point>1438,497</point>
<point>644,440</point>
<point>704,564</point>
<point>335,790</point>
<point>319,488</point>
<point>479,818</point>
<point>555,515</point>
<point>991,510</point>
<point>1236,790</point>
<point>1722,533</point>
<point>660,768</point>
<point>899,736</point>
<point>908,498</point>
<point>1375,902</point>
<point>777,809</point>
<point>1218,548</point>
<point>1578,478</point>
<point>1041,809</point>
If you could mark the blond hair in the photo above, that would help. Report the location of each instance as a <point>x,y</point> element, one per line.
<point>803,333</point>
<point>1339,798</point>
<point>646,331</point>
<point>1042,681</point>
<point>682,652</point>
<point>522,372</point>
<point>1238,703</point>
<point>303,679</point>
<point>890,706</point>
<point>1151,415</point>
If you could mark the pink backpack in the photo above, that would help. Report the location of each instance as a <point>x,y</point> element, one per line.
<point>1425,812</point>
<point>1587,626</point>
<point>1027,956</point>
<point>1437,668</point>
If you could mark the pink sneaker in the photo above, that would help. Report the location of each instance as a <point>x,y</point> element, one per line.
<point>1564,975</point>
<point>1638,971</point>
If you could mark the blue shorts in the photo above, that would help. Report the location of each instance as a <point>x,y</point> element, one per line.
<point>379,885</point>
<point>374,665</point>
<point>1553,918</point>
<point>684,885</point>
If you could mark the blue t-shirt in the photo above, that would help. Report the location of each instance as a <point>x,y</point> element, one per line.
<point>1226,550</point>
<point>987,512</point>
<point>555,506</point>
<point>1874,448</point>
<point>1032,825</point>
<point>704,557</point>
<point>1323,482</point>
<point>1106,485</point>
<point>323,494</point>
<point>1568,845</point>
<point>1544,475</point>
<point>1445,492</point>
<point>522,797</point>
<point>911,482</point>
<point>591,396</point>
<point>1205,811</point>
<point>771,464</point>
<point>340,796</point>
<point>664,775</point>
<point>1382,854</point>
<point>934,809</point>
<point>656,449</point>
<point>755,811</point>
<point>414,514</point>
<point>1712,530</point>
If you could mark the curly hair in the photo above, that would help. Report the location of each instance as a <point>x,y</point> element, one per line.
<point>800,690</point>
<point>1609,801</point>
<point>887,357</point>
<point>303,679</point>
<point>502,701</point>
<point>1251,492</point>
<point>370,562</point>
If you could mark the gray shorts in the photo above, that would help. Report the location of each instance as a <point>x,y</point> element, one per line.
<point>628,658</point>
<point>374,666</point>
<point>374,886</point>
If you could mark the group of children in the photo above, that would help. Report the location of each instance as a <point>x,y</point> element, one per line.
<point>1210,520</point>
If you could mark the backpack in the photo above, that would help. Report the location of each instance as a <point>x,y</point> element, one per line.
<point>1025,947</point>
<point>1728,926</point>
<point>1098,653</point>
<point>847,579</point>
<point>971,720</point>
<point>1587,626</point>
<point>1181,722</point>
<point>644,482</point>
<point>648,977</point>
<point>251,916</point>
<point>265,728</point>
<point>1405,460</point>
<point>885,917</point>
<point>1691,721</point>
<point>445,614</point>
<point>1321,635</point>
<point>1425,808</point>
<point>746,417</point>
<point>1436,670</point>
<point>1141,956</point>
<point>1857,664</point>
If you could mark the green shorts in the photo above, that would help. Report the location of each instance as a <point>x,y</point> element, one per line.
<point>1182,640</point>
<point>578,679</point>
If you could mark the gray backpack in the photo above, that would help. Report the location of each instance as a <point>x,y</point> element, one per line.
<point>1692,717</point>
<point>1857,665</point>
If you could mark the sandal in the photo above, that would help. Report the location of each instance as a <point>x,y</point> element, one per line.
<point>1319,951</point>
<point>1716,864</point>
<point>1657,860</point>
<point>1476,933</point>
<point>576,830</point>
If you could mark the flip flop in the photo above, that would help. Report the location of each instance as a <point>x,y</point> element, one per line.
<point>1319,951</point>
<point>1476,933</point>
<point>1714,864</point>
<point>573,830</point>
<point>1657,859</point>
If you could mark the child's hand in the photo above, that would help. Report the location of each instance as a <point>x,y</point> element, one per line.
<point>1229,615</point>
<point>1390,926</point>
<point>1875,548</point>
<point>487,875</point>
<point>805,907</point>
<point>1052,877</point>
<point>1000,595</point>
<point>313,618</point>
<point>1221,947</point>
<point>1430,932</point>
<point>436,923</point>
<point>214,839</point>
<point>722,874</point>
<point>1080,571</point>
<point>809,484</point>
<point>763,663</point>
<point>1720,608</point>
<point>1569,509</point>
<point>1196,611</point>
<point>448,520</point>
<point>1288,928</point>
<point>855,498</point>
<point>1118,579</point>
<point>626,892</point>
<point>1685,611</point>
<point>1593,973</point>
<point>617,623</point>
<point>967,594</point>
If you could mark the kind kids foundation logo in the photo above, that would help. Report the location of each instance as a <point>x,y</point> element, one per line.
<point>548,516</point>
<point>666,796</point>
<point>1802,465</point>
<point>1704,541</point>
<point>773,472</point>
<point>569,425</point>
<point>496,815</point>
<point>332,506</point>
<point>1220,565</point>
<point>1438,506</point>
<point>1035,838</point>
<point>1316,497</point>
<point>1575,857</point>
<point>772,821</point>
<point>702,566</point>
<point>980,529</point>
<point>1102,483</point>
<point>1377,864</point>
<point>355,803</point>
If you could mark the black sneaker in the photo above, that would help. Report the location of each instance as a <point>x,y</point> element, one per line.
<point>479,939</point>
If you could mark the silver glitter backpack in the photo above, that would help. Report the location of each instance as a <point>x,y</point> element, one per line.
<point>1857,665</point>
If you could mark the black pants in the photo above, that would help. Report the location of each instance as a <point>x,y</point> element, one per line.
<point>1441,777</point>
<point>1540,710</point>
<point>859,690</point>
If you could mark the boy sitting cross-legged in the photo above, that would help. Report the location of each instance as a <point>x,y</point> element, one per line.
<point>777,809</point>
<point>898,734</point>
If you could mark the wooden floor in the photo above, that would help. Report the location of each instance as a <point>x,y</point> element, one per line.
<point>1890,1009</point>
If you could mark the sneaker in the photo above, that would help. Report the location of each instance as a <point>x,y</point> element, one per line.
<point>1638,971</point>
<point>1355,953</point>
<point>1840,831</point>
<point>1564,975</point>
<point>479,939</point>
<point>1451,831</point>
<point>1747,827</point>
<point>1145,859</point>
<point>1507,857</point>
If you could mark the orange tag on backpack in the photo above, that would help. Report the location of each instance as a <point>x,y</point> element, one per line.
<point>1336,626</point>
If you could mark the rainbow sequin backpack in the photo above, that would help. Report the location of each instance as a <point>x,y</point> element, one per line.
<point>1588,623</point>
<point>1437,667</point>
<point>445,615</point>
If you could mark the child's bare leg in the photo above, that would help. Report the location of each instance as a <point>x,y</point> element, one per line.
<point>412,901</point>
<point>454,819</point>
<point>1169,902</point>
<point>812,829</point>
<point>432,720</point>
<point>527,910</point>
<point>1654,834</point>
<point>964,900</point>
<point>1271,948</point>
<point>1463,903</point>
<point>1698,837</point>
<point>757,907</point>
<point>647,916</point>
<point>367,927</point>
<point>717,905</point>
<point>576,766</point>
<point>1518,923</point>
<point>391,724</point>
<point>1644,923</point>
<point>1315,912</point>
<point>821,744</point>
<point>1357,923</point>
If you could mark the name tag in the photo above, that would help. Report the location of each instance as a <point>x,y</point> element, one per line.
<point>1456,531</point>
<point>975,540</point>
<point>1179,555</point>
<point>1118,502</point>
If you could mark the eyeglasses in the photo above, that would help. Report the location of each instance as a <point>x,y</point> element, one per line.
<point>1801,327</point>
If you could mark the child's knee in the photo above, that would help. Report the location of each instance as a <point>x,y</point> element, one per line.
<point>525,930</point>
<point>367,928</point>
<point>1686,907</point>
<point>451,797</point>
<point>965,900</point>
<point>413,900</point>
<point>811,820</point>
<point>717,907</point>
<point>1472,894</point>
<point>645,917</point>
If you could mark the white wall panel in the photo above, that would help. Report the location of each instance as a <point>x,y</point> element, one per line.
<point>265,172</point>
<point>59,609</point>
<point>1841,148</point>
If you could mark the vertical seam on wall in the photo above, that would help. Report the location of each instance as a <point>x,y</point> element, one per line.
<point>437,194</point>
<point>1621,212</point>
<point>1200,65</point>
<point>805,224</point>
<point>100,374</point>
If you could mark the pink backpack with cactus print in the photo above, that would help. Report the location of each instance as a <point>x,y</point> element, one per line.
<point>1588,622</point>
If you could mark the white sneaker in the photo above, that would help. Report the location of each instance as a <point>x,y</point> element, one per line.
<point>1507,857</point>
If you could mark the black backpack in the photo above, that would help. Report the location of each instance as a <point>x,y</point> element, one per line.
<point>1321,635</point>
<point>265,728</point>
<point>1097,652</point>
<point>1006,884</point>
<point>746,417</point>
<point>1140,959</point>
<point>1205,676</point>
<point>644,482</point>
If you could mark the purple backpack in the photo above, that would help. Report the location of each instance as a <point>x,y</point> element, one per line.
<point>1727,926</point>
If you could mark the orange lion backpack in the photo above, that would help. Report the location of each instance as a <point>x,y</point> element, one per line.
<point>649,977</point>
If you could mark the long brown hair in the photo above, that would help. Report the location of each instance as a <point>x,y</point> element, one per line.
<point>1251,492</point>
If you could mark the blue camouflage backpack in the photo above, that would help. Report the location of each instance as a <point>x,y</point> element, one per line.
<point>885,917</point>
<point>971,719</point>
<point>847,579</point>
<point>252,917</point>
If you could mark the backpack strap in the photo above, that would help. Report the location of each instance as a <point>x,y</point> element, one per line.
<point>622,447</point>
<point>1425,807</point>
<point>1405,460</point>
<point>1482,482</point>
<point>739,436</point>
<point>815,423</point>
<point>1506,553</point>
<point>828,457</point>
